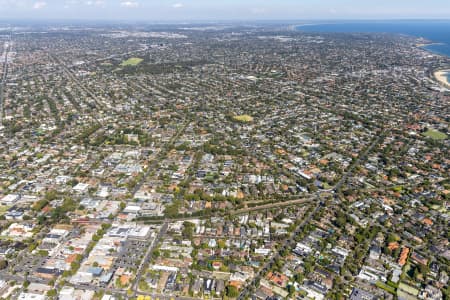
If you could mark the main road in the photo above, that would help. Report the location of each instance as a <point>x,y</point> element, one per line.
<point>357,162</point>
<point>147,256</point>
<point>237,211</point>
<point>6,49</point>
<point>288,243</point>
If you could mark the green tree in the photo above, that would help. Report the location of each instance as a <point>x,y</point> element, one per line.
<point>231,291</point>
<point>52,293</point>
<point>3,264</point>
<point>291,289</point>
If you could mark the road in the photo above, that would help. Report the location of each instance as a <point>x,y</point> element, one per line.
<point>69,73</point>
<point>358,161</point>
<point>139,274</point>
<point>7,48</point>
<point>124,292</point>
<point>159,157</point>
<point>165,296</point>
<point>288,243</point>
<point>148,255</point>
<point>238,211</point>
<point>97,289</point>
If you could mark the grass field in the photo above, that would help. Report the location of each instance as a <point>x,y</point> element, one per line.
<point>133,61</point>
<point>385,287</point>
<point>3,209</point>
<point>243,118</point>
<point>435,135</point>
<point>409,289</point>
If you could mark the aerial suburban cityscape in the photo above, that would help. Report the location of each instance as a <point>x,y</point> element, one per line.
<point>222,161</point>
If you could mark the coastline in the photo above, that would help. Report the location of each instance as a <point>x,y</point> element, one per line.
<point>427,47</point>
<point>435,43</point>
<point>441,77</point>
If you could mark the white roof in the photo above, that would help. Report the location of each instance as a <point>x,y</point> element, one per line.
<point>11,198</point>
<point>58,231</point>
<point>81,186</point>
<point>67,291</point>
<point>139,231</point>
<point>81,277</point>
<point>30,296</point>
<point>164,268</point>
<point>132,208</point>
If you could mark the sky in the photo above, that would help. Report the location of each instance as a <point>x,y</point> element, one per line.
<point>211,10</point>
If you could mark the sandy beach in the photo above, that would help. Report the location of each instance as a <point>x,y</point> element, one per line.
<point>441,76</point>
<point>422,45</point>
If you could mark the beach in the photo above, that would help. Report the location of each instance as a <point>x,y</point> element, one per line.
<point>441,76</point>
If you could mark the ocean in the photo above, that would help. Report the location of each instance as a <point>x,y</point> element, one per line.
<point>437,32</point>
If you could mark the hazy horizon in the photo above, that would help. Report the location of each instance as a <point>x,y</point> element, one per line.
<point>230,10</point>
<point>219,21</point>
